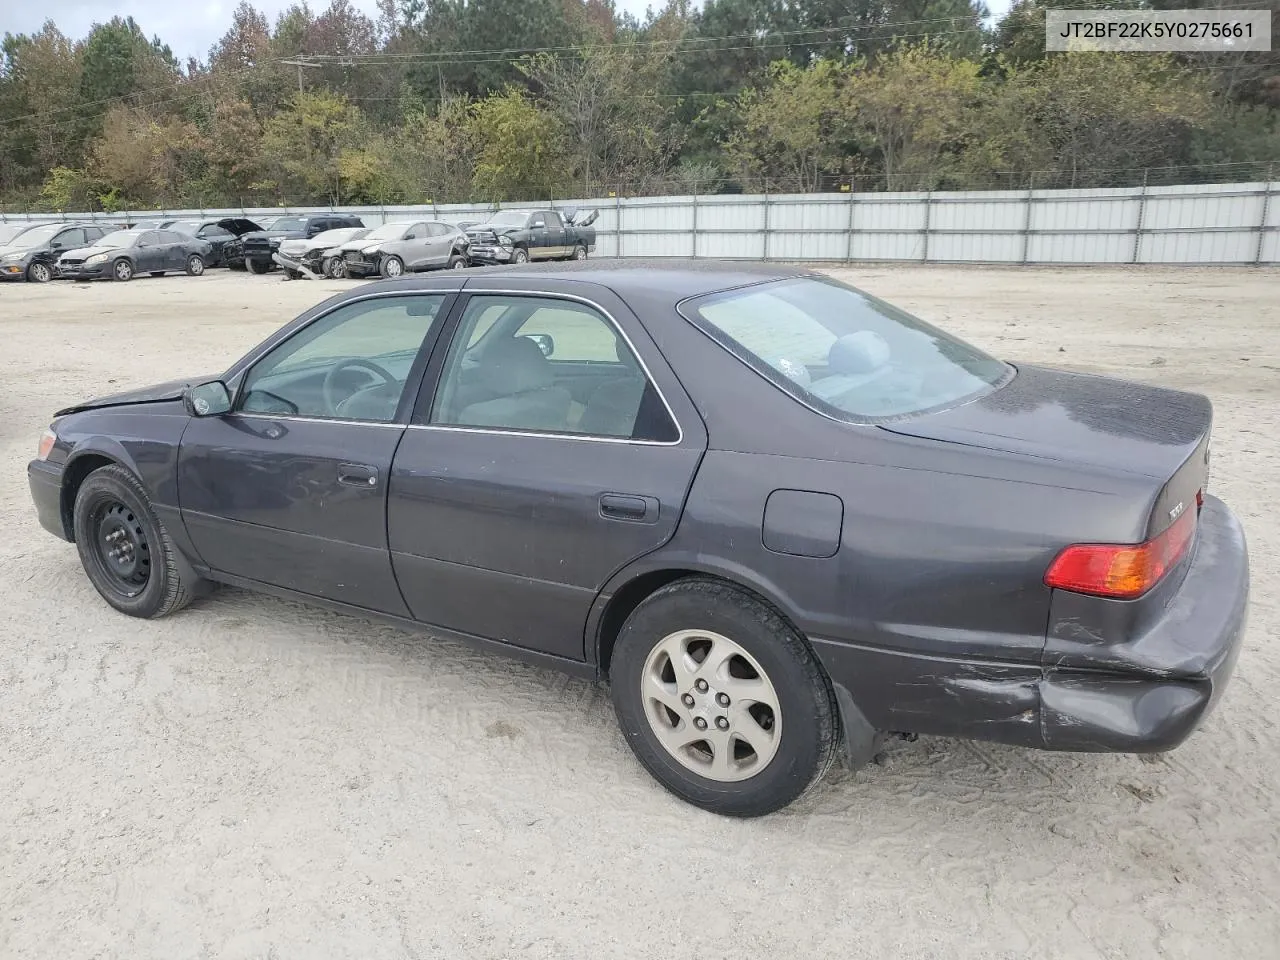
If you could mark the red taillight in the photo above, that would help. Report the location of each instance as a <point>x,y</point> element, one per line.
<point>1123,571</point>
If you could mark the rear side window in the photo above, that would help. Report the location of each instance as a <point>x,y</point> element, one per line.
<point>844,352</point>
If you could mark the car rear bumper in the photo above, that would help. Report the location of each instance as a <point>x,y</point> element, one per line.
<point>1150,699</point>
<point>45,480</point>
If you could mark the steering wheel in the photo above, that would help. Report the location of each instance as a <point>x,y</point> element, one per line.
<point>331,401</point>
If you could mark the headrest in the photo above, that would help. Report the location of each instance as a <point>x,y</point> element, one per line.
<point>860,352</point>
<point>515,365</point>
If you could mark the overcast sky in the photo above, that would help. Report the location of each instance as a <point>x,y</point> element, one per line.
<point>190,27</point>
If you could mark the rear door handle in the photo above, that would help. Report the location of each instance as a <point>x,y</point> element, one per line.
<point>358,475</point>
<point>629,507</point>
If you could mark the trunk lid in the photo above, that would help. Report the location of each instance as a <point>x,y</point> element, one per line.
<point>1096,422</point>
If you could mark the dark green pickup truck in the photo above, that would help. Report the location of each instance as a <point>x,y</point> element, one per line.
<point>518,236</point>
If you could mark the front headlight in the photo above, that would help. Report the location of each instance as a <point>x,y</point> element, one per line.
<point>47,440</point>
<point>13,258</point>
<point>504,240</point>
<point>96,258</point>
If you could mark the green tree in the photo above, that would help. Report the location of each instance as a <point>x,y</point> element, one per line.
<point>302,144</point>
<point>789,135</point>
<point>519,147</point>
<point>912,115</point>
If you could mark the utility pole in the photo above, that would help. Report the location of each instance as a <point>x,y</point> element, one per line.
<point>300,62</point>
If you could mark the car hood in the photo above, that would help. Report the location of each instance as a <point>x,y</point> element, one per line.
<point>297,245</point>
<point>498,229</point>
<point>1080,419</point>
<point>18,251</point>
<point>365,246</point>
<point>84,253</point>
<point>169,390</point>
<point>273,235</point>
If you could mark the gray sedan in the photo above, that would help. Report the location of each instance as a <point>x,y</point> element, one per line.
<point>774,512</point>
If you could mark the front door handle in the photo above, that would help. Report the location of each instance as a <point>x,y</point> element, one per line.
<point>629,507</point>
<point>358,475</point>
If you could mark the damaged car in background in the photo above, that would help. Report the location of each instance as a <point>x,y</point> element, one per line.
<point>255,251</point>
<point>774,512</point>
<point>316,257</point>
<point>518,236</point>
<point>408,246</point>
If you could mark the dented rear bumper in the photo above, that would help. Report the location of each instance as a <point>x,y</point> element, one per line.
<point>1144,695</point>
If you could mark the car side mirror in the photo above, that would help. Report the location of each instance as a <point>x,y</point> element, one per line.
<point>210,399</point>
<point>546,343</point>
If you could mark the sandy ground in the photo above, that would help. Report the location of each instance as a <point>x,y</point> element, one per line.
<point>256,779</point>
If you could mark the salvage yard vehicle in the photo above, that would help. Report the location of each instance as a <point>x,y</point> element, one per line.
<point>518,236</point>
<point>406,246</point>
<point>775,512</point>
<point>319,256</point>
<point>124,254</point>
<point>255,250</point>
<point>33,254</point>
<point>10,231</point>
<point>218,233</point>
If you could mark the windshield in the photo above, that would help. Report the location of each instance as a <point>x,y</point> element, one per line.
<point>844,352</point>
<point>36,236</point>
<point>120,238</point>
<point>512,218</point>
<point>185,226</point>
<point>389,231</point>
<point>10,230</point>
<point>289,224</point>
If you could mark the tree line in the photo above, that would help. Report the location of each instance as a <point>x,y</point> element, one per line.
<point>485,100</point>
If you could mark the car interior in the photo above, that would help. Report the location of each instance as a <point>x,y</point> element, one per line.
<point>513,379</point>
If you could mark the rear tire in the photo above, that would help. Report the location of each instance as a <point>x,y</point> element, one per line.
<point>122,270</point>
<point>195,265</point>
<point>124,548</point>
<point>257,266</point>
<point>579,252</point>
<point>767,709</point>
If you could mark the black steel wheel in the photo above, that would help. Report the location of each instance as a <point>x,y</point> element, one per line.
<point>125,549</point>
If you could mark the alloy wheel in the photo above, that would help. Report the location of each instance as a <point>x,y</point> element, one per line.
<point>711,705</point>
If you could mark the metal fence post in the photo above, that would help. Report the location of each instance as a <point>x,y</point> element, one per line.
<point>1266,213</point>
<point>694,238</point>
<point>848,247</point>
<point>1026,221</point>
<point>1142,212</point>
<point>928,206</point>
<point>617,223</point>
<point>764,254</point>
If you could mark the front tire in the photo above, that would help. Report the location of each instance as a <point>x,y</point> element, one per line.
<point>457,262</point>
<point>520,256</point>
<point>122,270</point>
<point>391,267</point>
<point>39,272</point>
<point>195,265</point>
<point>721,700</point>
<point>257,266</point>
<point>125,549</point>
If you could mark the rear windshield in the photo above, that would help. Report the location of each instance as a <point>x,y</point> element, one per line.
<point>289,224</point>
<point>844,352</point>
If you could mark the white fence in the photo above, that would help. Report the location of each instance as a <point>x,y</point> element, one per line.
<point>1212,223</point>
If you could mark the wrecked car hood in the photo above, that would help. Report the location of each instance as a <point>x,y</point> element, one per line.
<point>169,390</point>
